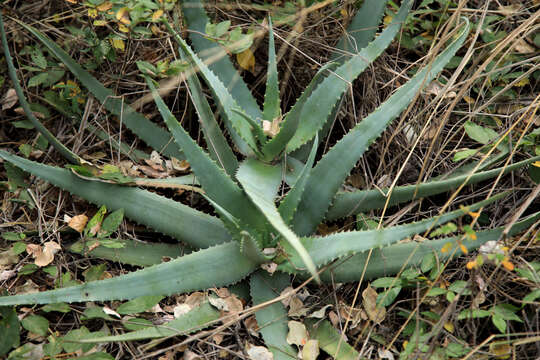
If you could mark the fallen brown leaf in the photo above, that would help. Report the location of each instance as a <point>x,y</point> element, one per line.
<point>8,257</point>
<point>523,47</point>
<point>43,256</point>
<point>374,312</point>
<point>297,333</point>
<point>9,99</point>
<point>78,222</point>
<point>180,165</point>
<point>259,353</point>
<point>252,326</point>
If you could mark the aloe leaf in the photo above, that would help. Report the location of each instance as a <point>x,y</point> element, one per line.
<point>250,240</point>
<point>289,204</point>
<point>131,252</point>
<point>361,29</point>
<point>171,182</point>
<point>164,215</point>
<point>271,109</point>
<point>328,248</point>
<point>330,172</point>
<point>350,203</point>
<point>272,319</point>
<point>327,95</point>
<point>64,151</point>
<point>237,124</point>
<point>218,148</point>
<point>256,130</point>
<point>260,178</point>
<point>259,181</point>
<point>196,319</point>
<point>277,144</point>
<point>214,181</point>
<point>220,64</point>
<point>359,33</point>
<point>388,261</point>
<point>330,340</point>
<point>196,271</point>
<point>150,133</point>
<point>302,152</point>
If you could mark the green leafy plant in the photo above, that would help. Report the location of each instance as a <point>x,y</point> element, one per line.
<point>421,25</point>
<point>233,40</point>
<point>48,73</point>
<point>258,226</point>
<point>500,314</point>
<point>128,15</point>
<point>100,47</point>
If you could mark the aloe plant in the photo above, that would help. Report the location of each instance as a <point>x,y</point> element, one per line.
<point>255,223</point>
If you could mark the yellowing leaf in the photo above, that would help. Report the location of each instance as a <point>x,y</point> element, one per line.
<point>107,5</point>
<point>480,260</point>
<point>74,88</point>
<point>426,35</point>
<point>122,15</point>
<point>468,99</point>
<point>155,30</point>
<point>501,351</point>
<point>246,60</point>
<point>387,19</point>
<point>92,13</point>
<point>507,265</point>
<point>449,326</point>
<point>157,14</point>
<point>118,44</point>
<point>78,222</point>
<point>99,23</point>
<point>446,247</point>
<point>524,81</point>
<point>123,28</point>
<point>471,265</point>
<point>310,350</point>
<point>536,163</point>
